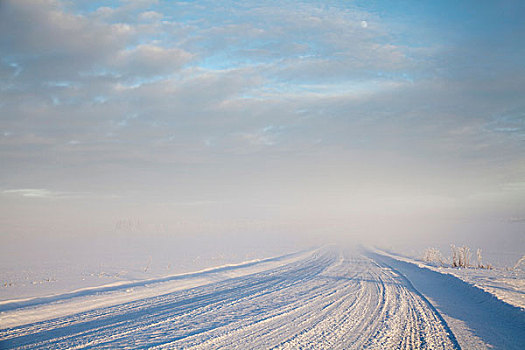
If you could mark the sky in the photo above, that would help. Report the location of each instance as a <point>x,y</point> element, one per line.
<point>346,119</point>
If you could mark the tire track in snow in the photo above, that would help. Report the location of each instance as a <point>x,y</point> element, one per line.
<point>475,318</point>
<point>330,299</point>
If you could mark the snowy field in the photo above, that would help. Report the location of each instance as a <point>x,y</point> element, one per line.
<point>325,298</point>
<point>37,267</point>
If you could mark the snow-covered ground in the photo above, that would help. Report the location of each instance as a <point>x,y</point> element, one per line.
<point>39,267</point>
<point>327,298</point>
<point>477,318</point>
<point>507,284</point>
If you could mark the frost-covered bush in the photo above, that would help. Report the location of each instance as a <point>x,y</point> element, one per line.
<point>520,265</point>
<point>465,256</point>
<point>480,258</point>
<point>455,253</point>
<point>461,256</point>
<point>433,255</point>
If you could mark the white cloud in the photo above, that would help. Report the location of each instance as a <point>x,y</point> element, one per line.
<point>151,16</point>
<point>33,193</point>
<point>43,193</point>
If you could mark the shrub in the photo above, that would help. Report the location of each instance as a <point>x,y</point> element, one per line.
<point>461,257</point>
<point>480,259</point>
<point>433,255</point>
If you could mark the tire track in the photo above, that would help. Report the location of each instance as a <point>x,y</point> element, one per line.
<point>331,299</point>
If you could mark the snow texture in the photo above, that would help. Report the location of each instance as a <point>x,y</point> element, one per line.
<point>478,319</point>
<point>321,299</point>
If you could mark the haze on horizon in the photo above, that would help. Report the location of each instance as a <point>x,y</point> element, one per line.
<point>306,119</point>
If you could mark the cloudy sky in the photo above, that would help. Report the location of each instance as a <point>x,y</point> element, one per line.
<point>348,117</point>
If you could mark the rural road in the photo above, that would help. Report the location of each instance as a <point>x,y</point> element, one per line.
<point>324,299</point>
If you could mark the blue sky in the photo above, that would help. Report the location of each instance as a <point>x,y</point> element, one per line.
<point>301,115</point>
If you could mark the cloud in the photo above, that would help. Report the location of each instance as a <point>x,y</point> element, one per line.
<point>151,16</point>
<point>41,193</point>
<point>44,31</point>
<point>267,136</point>
<point>266,79</point>
<point>32,192</point>
<point>146,60</point>
<point>508,123</point>
<point>44,41</point>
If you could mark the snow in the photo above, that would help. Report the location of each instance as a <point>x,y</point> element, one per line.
<point>81,300</point>
<point>477,318</point>
<point>35,267</point>
<point>324,298</point>
<point>506,284</point>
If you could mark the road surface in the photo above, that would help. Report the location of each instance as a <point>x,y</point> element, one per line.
<point>323,299</point>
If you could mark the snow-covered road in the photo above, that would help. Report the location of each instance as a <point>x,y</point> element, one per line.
<point>325,299</point>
